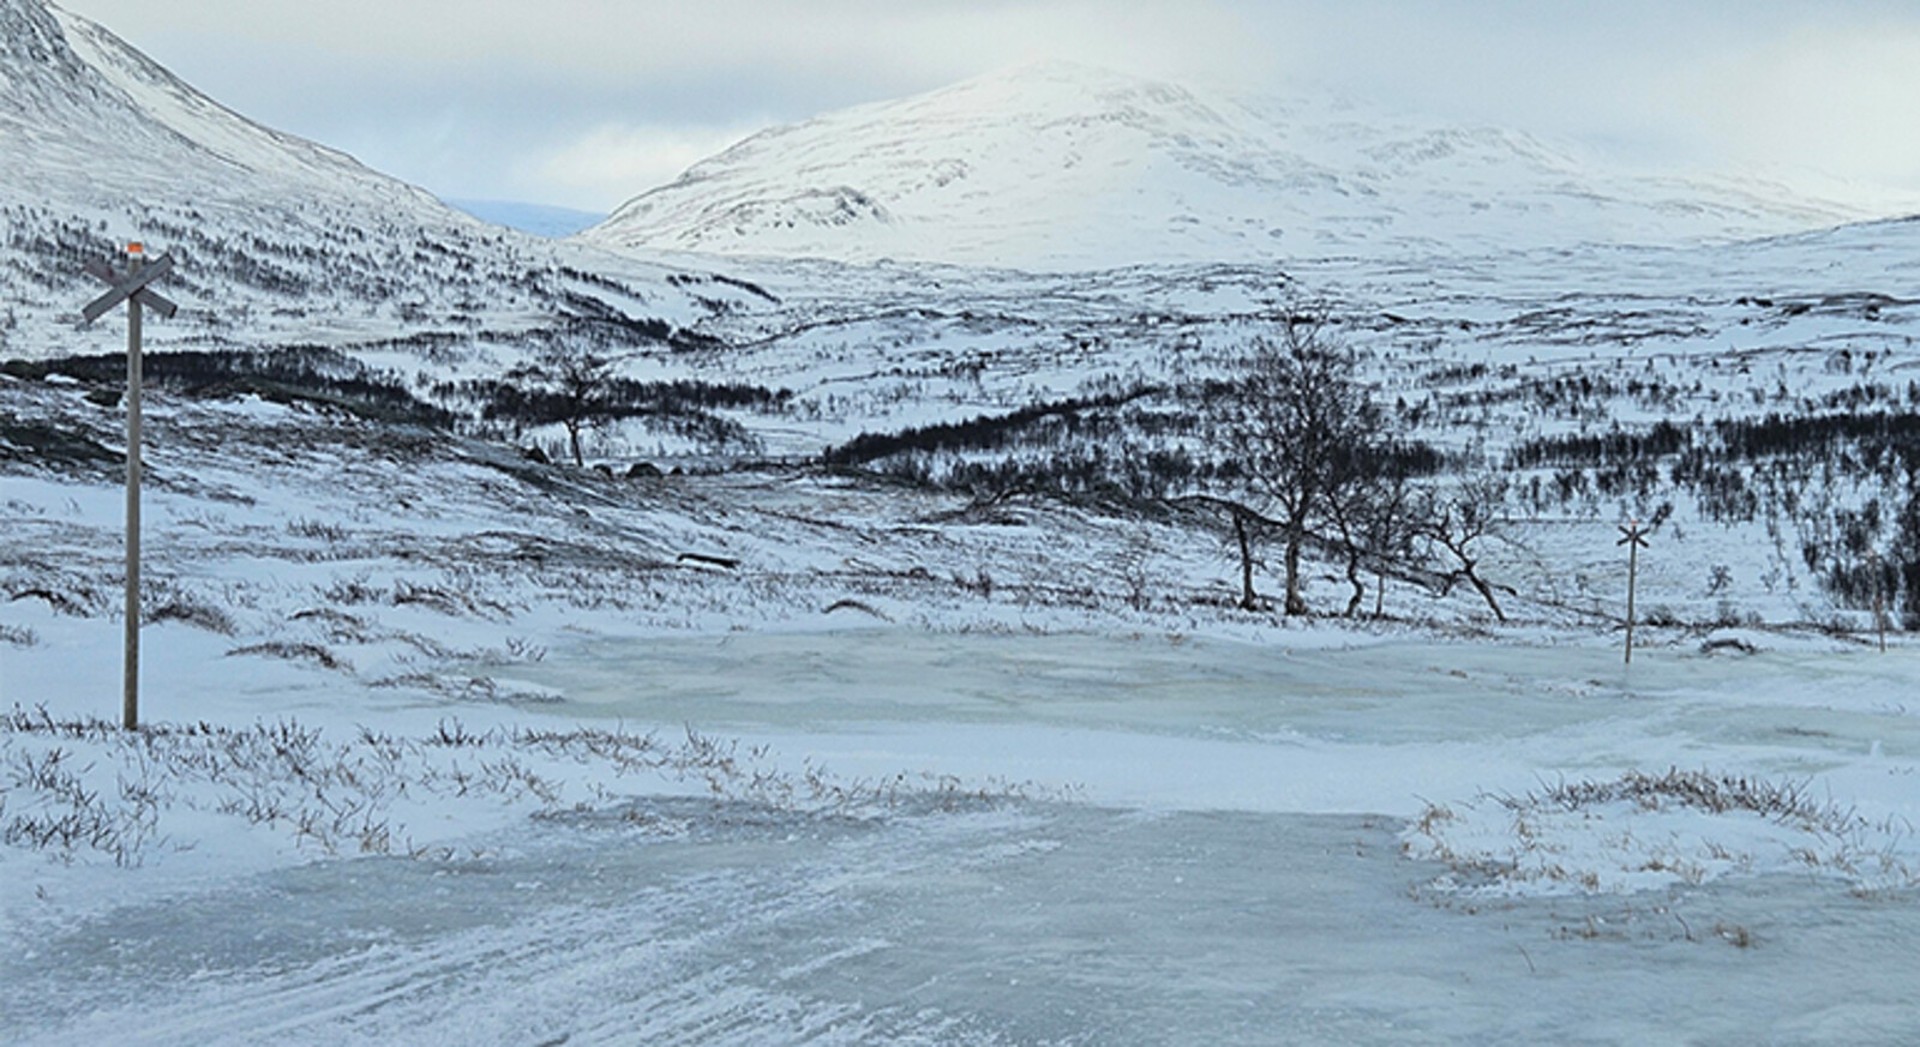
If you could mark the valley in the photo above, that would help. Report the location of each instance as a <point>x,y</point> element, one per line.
<point>723,626</point>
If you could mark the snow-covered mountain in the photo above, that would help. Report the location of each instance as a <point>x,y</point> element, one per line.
<point>1063,166</point>
<point>277,237</point>
<point>131,128</point>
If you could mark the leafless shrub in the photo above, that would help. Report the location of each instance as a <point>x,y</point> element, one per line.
<point>64,815</point>
<point>515,650</point>
<point>462,688</point>
<point>454,735</point>
<point>353,592</point>
<point>338,626</point>
<point>194,613</point>
<point>1783,802</point>
<point>1133,561</point>
<point>855,605</point>
<point>333,534</point>
<point>452,602</point>
<point>298,652</point>
<point>79,606</point>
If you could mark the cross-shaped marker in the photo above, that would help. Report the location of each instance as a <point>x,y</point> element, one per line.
<point>129,285</point>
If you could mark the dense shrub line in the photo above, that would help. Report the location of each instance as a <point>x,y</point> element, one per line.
<point>980,433</point>
<point>303,373</point>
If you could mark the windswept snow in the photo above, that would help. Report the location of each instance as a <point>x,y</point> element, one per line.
<point>449,744</point>
<point>457,749</point>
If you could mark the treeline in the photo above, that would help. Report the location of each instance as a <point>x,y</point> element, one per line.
<point>612,398</point>
<point>1128,475</point>
<point>308,374</point>
<point>1601,450</point>
<point>1876,443</point>
<point>1879,441</point>
<point>980,433</point>
<point>524,398</point>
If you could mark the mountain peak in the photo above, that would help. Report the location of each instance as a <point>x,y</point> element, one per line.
<point>1056,82</point>
<point>76,100</point>
<point>1058,165</point>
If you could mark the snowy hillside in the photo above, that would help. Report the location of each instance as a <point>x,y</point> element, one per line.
<point>445,746</point>
<point>276,238</point>
<point>74,85</point>
<point>306,278</point>
<point>1062,166</point>
<point>886,669</point>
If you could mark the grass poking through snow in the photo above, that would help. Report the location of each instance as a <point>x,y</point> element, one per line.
<point>83,790</point>
<point>1644,831</point>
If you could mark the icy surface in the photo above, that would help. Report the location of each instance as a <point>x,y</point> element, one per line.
<point>451,746</point>
<point>1210,844</point>
<point>1046,925</point>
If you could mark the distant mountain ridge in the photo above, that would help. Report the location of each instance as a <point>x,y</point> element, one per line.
<point>538,219</point>
<point>1063,166</point>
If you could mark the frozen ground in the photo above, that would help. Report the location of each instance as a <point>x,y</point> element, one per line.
<point>1161,840</point>
<point>452,748</point>
<point>447,746</point>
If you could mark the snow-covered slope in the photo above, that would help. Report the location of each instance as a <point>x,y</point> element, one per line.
<point>1062,166</point>
<point>135,128</point>
<point>277,238</point>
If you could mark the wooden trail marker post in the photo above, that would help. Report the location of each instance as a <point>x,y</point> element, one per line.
<point>132,289</point>
<point>1880,600</point>
<point>1634,537</point>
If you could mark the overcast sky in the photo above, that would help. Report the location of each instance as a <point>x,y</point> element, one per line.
<point>586,103</point>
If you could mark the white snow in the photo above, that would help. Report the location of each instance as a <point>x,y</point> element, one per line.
<point>448,747</point>
<point>446,793</point>
<point>1059,166</point>
<point>1238,811</point>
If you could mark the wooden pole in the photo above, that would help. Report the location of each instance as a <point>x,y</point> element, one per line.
<point>1633,537</point>
<point>130,702</point>
<point>1633,580</point>
<point>1880,601</point>
<point>133,290</point>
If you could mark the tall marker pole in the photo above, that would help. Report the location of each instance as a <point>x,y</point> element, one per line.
<point>131,289</point>
<point>1880,601</point>
<point>1635,539</point>
<point>130,671</point>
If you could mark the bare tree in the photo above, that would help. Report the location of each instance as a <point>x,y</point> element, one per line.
<point>1376,525</point>
<point>1298,431</point>
<point>568,383</point>
<point>1245,521</point>
<point>1246,527</point>
<point>1458,520</point>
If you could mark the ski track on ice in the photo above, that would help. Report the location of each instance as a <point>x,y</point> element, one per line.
<point>668,964</point>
